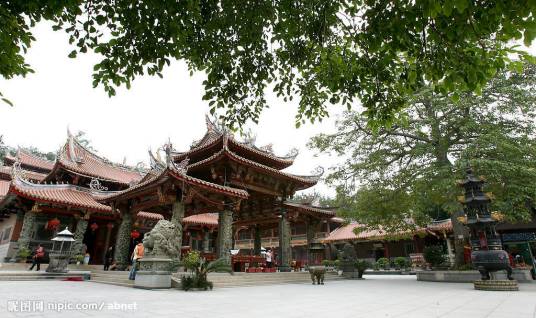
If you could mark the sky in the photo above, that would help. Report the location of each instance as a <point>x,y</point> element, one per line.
<point>59,95</point>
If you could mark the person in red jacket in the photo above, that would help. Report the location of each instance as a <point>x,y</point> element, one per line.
<point>37,258</point>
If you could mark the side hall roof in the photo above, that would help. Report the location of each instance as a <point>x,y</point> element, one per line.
<point>77,159</point>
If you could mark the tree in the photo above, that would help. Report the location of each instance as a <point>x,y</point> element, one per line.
<point>378,52</point>
<point>409,170</point>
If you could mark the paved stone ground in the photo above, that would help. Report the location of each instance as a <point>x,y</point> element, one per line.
<point>377,296</point>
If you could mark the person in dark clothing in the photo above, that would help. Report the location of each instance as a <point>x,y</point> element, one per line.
<point>108,258</point>
<point>39,253</point>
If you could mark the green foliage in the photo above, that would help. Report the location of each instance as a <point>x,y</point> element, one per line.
<point>324,52</point>
<point>78,258</point>
<point>327,262</point>
<point>362,265</point>
<point>401,262</point>
<point>192,261</point>
<point>434,255</point>
<point>383,262</point>
<point>409,170</point>
<point>24,253</point>
<point>191,282</point>
<point>200,268</point>
<point>337,263</point>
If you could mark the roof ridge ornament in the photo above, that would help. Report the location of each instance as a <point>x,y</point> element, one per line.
<point>181,167</point>
<point>95,185</point>
<point>72,153</point>
<point>17,172</point>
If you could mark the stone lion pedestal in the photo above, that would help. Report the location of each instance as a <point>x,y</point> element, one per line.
<point>160,246</point>
<point>153,273</point>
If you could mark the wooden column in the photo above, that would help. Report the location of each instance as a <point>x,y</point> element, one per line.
<point>285,250</point>
<point>225,235</point>
<point>122,244</point>
<point>109,227</point>
<point>18,226</point>
<point>177,214</point>
<point>257,242</point>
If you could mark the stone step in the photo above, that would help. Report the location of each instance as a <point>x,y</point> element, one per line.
<point>42,275</point>
<point>128,283</point>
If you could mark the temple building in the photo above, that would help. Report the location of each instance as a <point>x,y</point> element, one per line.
<point>223,194</point>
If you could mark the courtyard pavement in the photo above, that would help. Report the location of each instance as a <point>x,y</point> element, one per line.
<point>376,296</point>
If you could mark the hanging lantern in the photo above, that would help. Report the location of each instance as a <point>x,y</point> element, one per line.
<point>134,234</point>
<point>53,224</point>
<point>94,226</point>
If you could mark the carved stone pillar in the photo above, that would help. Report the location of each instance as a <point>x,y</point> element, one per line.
<point>122,243</point>
<point>81,227</point>
<point>312,227</point>
<point>285,250</point>
<point>206,241</point>
<point>257,241</point>
<point>177,214</point>
<point>27,229</point>
<point>225,235</point>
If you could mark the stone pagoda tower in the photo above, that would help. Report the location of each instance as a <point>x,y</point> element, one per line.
<point>487,254</point>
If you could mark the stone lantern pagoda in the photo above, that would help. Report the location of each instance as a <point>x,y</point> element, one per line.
<point>487,254</point>
<point>61,252</point>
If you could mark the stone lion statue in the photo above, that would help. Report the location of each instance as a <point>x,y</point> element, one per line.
<point>162,240</point>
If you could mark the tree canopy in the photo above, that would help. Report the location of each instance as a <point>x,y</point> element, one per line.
<point>409,170</point>
<point>339,52</point>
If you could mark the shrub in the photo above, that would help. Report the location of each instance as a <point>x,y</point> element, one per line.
<point>337,263</point>
<point>327,262</point>
<point>189,282</point>
<point>362,265</point>
<point>383,262</point>
<point>401,262</point>
<point>464,267</point>
<point>79,258</point>
<point>434,255</point>
<point>376,266</point>
<point>200,268</point>
<point>24,253</point>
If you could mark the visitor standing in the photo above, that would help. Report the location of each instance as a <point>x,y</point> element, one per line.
<point>269,257</point>
<point>87,256</point>
<point>137,254</point>
<point>108,258</point>
<point>37,258</point>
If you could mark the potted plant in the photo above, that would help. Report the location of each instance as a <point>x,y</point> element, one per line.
<point>23,254</point>
<point>337,266</point>
<point>383,263</point>
<point>361,266</point>
<point>200,267</point>
<point>434,255</point>
<point>401,263</point>
<point>79,259</point>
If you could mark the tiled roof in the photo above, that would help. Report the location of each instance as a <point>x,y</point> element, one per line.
<point>346,232</point>
<point>77,159</point>
<point>182,177</point>
<point>34,176</point>
<point>4,188</point>
<point>150,216</point>
<point>310,208</point>
<point>306,181</point>
<point>215,135</point>
<point>208,219</point>
<point>64,194</point>
<point>28,159</point>
<point>442,225</point>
